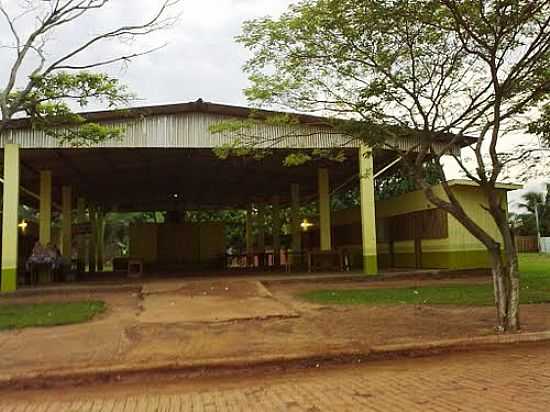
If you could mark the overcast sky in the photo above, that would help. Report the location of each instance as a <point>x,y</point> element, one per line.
<point>201,58</point>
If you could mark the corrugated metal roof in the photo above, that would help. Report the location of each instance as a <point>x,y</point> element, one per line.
<point>187,126</point>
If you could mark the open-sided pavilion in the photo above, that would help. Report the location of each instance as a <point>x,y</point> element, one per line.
<point>164,162</point>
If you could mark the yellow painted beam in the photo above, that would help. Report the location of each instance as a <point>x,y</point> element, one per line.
<point>45,216</point>
<point>10,218</point>
<point>67,221</point>
<point>295,219</point>
<point>368,219</point>
<point>276,229</point>
<point>324,209</point>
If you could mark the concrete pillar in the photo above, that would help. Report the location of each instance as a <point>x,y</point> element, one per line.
<point>276,230</point>
<point>81,239</point>
<point>249,236</point>
<point>324,209</point>
<point>45,216</point>
<point>10,218</point>
<point>100,239</point>
<point>67,221</point>
<point>368,219</point>
<point>295,219</point>
<point>92,245</point>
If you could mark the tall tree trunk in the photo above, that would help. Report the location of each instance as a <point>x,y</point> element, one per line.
<point>506,289</point>
<point>499,289</point>
<point>512,274</point>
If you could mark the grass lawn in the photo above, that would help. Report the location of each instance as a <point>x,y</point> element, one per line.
<point>535,288</point>
<point>19,316</point>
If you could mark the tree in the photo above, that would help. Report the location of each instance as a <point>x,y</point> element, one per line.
<point>42,84</point>
<point>436,71</point>
<point>535,203</point>
<point>523,224</point>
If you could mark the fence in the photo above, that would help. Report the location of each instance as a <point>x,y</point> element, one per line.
<point>545,245</point>
<point>527,244</point>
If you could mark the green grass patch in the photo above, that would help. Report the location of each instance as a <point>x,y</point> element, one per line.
<point>535,288</point>
<point>18,316</point>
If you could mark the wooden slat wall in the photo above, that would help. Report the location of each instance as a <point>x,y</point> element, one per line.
<point>426,224</point>
<point>526,244</point>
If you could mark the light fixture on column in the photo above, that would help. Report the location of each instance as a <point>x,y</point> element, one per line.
<point>23,225</point>
<point>306,224</point>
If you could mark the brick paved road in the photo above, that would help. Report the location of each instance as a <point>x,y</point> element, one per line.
<point>516,379</point>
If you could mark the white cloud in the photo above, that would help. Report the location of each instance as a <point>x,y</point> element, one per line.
<point>201,58</point>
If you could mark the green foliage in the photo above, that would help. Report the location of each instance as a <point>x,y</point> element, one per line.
<point>297,159</point>
<point>18,316</point>
<point>450,295</point>
<point>400,181</point>
<point>541,126</point>
<point>234,221</point>
<point>403,67</point>
<point>336,55</point>
<point>80,87</point>
<point>535,270</point>
<point>85,135</point>
<point>239,149</point>
<point>47,105</point>
<point>525,223</point>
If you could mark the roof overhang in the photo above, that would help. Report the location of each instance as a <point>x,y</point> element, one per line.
<point>500,185</point>
<point>146,124</point>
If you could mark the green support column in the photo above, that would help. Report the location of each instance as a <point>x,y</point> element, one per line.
<point>249,236</point>
<point>67,221</point>
<point>81,239</point>
<point>368,219</point>
<point>45,216</point>
<point>10,218</point>
<point>92,245</point>
<point>100,239</point>
<point>276,230</point>
<point>295,218</point>
<point>324,210</point>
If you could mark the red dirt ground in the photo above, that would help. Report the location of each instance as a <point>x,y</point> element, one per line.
<point>118,338</point>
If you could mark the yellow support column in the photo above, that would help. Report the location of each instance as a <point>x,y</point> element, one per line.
<point>324,210</point>
<point>368,219</point>
<point>295,227</point>
<point>45,216</point>
<point>67,221</point>
<point>10,216</point>
<point>276,230</point>
<point>81,239</point>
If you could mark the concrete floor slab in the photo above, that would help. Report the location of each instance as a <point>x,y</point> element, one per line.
<point>210,301</point>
